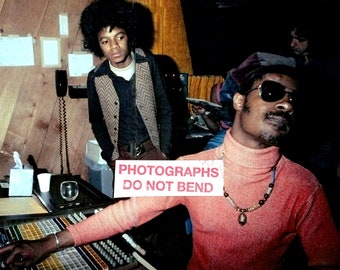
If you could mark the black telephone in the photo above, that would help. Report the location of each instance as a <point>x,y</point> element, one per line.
<point>61,85</point>
<point>61,82</point>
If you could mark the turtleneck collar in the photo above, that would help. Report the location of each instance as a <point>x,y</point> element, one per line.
<point>247,161</point>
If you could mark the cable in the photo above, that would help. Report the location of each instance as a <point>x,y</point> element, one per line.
<point>63,135</point>
<point>145,263</point>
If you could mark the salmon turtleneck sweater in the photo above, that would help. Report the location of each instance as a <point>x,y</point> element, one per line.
<point>297,206</point>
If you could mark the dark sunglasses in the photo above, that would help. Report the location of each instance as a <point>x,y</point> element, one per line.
<point>271,91</point>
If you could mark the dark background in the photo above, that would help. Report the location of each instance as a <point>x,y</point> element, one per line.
<point>222,33</point>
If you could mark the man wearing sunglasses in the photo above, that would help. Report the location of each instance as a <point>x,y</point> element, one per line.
<point>231,85</point>
<point>266,202</point>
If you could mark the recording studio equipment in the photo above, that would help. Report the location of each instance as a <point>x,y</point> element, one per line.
<point>120,252</point>
<point>112,253</point>
<point>161,243</point>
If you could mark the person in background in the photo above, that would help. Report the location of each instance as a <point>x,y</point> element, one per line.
<point>266,202</point>
<point>309,47</point>
<point>314,142</point>
<point>129,112</point>
<point>214,121</point>
<point>300,39</point>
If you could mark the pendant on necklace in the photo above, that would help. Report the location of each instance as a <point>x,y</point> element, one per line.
<point>242,219</point>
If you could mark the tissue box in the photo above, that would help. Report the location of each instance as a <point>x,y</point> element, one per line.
<point>21,182</point>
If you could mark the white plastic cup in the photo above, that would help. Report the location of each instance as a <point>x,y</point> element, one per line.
<point>44,180</point>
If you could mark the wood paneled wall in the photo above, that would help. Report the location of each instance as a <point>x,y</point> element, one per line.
<point>28,102</point>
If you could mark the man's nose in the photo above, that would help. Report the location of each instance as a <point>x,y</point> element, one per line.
<point>114,44</point>
<point>285,105</point>
<point>294,43</point>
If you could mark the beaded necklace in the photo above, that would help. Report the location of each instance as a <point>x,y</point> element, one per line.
<point>242,218</point>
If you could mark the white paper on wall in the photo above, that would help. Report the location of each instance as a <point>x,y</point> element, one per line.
<point>16,51</point>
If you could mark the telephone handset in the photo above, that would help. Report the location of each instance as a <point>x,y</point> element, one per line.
<point>61,88</point>
<point>61,82</point>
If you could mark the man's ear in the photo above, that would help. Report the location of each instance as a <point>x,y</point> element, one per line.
<point>238,101</point>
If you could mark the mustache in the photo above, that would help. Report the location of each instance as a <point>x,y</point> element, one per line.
<point>288,116</point>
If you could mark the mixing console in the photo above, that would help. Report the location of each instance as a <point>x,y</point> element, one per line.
<point>112,253</point>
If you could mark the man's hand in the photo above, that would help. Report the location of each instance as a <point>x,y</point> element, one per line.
<point>25,253</point>
<point>198,109</point>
